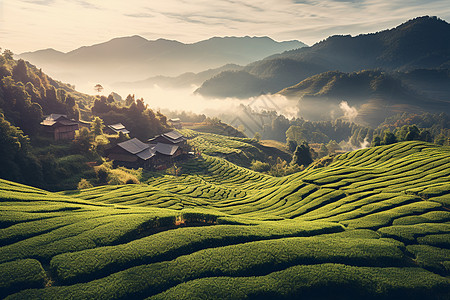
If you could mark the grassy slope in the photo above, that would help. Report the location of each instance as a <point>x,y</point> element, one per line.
<point>375,224</point>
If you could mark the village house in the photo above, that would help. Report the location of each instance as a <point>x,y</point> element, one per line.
<point>115,129</point>
<point>160,153</point>
<point>165,155</point>
<point>60,127</point>
<point>172,137</point>
<point>175,123</point>
<point>131,154</point>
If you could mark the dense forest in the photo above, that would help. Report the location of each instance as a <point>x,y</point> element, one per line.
<point>28,155</point>
<point>141,121</point>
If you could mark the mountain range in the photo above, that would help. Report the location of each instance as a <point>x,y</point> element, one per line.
<point>403,69</point>
<point>375,94</point>
<point>420,43</point>
<point>135,58</point>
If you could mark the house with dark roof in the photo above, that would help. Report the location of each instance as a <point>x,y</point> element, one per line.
<point>163,151</point>
<point>115,129</point>
<point>175,123</point>
<point>172,137</point>
<point>60,127</point>
<point>132,154</point>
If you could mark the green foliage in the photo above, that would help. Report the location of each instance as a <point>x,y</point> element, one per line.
<point>106,174</point>
<point>425,127</point>
<point>26,94</point>
<point>389,138</point>
<point>21,274</point>
<point>16,161</point>
<point>292,145</point>
<point>259,166</point>
<point>141,121</point>
<point>97,126</point>
<point>302,155</point>
<point>84,140</point>
<point>327,132</point>
<point>175,243</point>
<point>84,184</point>
<point>364,225</point>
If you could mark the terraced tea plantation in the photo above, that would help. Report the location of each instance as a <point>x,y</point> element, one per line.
<point>374,224</point>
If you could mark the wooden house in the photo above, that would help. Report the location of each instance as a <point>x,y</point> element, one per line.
<point>132,154</point>
<point>175,123</point>
<point>60,127</point>
<point>171,138</point>
<point>115,129</point>
<point>165,155</point>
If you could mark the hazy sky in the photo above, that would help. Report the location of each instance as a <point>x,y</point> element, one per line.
<point>65,25</point>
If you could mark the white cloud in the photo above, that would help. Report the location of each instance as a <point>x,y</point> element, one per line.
<point>350,113</point>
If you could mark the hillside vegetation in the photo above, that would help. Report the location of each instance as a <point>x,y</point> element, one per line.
<point>376,95</point>
<point>416,44</point>
<point>372,224</point>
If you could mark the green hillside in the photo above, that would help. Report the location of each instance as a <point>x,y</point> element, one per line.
<point>419,43</point>
<point>377,95</point>
<point>373,224</point>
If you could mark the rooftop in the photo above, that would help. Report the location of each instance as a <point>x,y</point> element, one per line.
<point>166,149</point>
<point>174,135</point>
<point>117,126</point>
<point>133,146</point>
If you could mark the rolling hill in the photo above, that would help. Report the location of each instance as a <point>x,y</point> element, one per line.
<point>373,224</point>
<point>421,43</point>
<point>376,95</point>
<point>134,58</point>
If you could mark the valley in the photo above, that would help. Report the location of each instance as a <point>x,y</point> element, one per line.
<point>176,151</point>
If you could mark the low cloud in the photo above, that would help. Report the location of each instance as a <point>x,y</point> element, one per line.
<point>185,99</point>
<point>350,113</point>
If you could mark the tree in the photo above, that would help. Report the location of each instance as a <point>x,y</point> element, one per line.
<point>389,138</point>
<point>376,141</point>
<point>8,54</point>
<point>440,139</point>
<point>129,100</point>
<point>260,166</point>
<point>110,98</point>
<point>98,87</point>
<point>302,155</point>
<point>97,126</point>
<point>292,145</point>
<point>20,72</point>
<point>83,141</point>
<point>425,135</point>
<point>413,133</point>
<point>84,184</point>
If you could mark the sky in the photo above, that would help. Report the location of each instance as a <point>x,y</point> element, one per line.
<point>28,25</point>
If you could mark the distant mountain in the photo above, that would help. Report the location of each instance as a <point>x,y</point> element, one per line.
<point>423,42</point>
<point>375,95</point>
<point>134,58</point>
<point>432,82</point>
<point>182,81</point>
<point>266,76</point>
